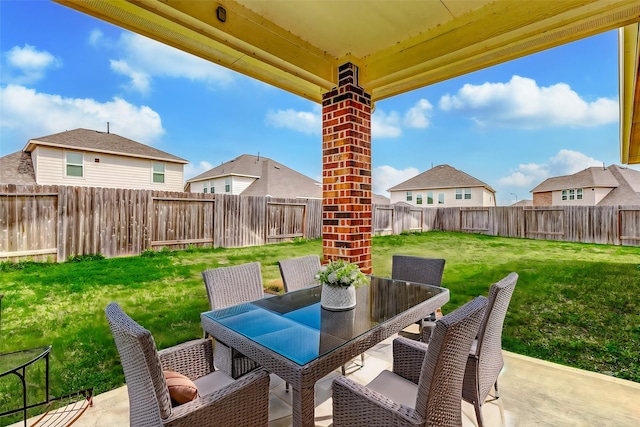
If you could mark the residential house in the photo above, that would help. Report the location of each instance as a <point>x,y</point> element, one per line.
<point>90,158</point>
<point>442,187</point>
<point>595,186</point>
<point>255,176</point>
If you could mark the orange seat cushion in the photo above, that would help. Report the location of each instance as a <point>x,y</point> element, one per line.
<point>181,388</point>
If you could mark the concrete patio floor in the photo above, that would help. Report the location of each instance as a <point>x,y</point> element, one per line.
<point>532,393</point>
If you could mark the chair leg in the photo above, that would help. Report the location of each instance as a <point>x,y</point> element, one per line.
<point>362,359</point>
<point>286,386</point>
<point>496,387</point>
<point>478,409</point>
<point>344,371</point>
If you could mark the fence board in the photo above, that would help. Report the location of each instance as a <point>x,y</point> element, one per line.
<point>382,219</point>
<point>475,220</point>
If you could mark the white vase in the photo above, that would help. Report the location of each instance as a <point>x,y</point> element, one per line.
<point>337,298</point>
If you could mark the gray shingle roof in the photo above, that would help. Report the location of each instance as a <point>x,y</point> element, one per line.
<point>274,179</point>
<point>17,168</point>
<point>628,192</point>
<point>441,176</point>
<point>102,142</point>
<point>590,177</point>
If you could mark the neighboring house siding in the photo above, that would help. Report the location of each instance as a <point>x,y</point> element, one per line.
<point>239,184</point>
<point>111,171</point>
<point>479,197</point>
<point>488,198</point>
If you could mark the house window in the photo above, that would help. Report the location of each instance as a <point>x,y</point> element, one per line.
<point>572,194</point>
<point>213,188</point>
<point>441,198</point>
<point>158,173</point>
<point>75,164</point>
<point>204,187</point>
<point>458,193</point>
<point>418,199</point>
<point>430,197</point>
<point>227,185</point>
<point>467,194</point>
<point>409,196</point>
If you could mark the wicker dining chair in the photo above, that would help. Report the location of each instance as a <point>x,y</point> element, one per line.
<point>420,270</point>
<point>485,359</point>
<point>425,386</point>
<point>222,401</point>
<point>227,286</point>
<point>298,273</point>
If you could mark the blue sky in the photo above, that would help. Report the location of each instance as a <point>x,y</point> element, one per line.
<point>511,126</point>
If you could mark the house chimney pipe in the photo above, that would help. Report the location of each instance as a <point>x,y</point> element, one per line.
<point>107,127</point>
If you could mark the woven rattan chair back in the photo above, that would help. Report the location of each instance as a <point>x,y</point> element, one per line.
<point>486,362</point>
<point>227,286</point>
<point>149,400</point>
<point>440,384</point>
<point>417,269</point>
<point>298,273</point>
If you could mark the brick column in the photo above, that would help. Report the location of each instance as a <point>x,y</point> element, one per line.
<point>346,171</point>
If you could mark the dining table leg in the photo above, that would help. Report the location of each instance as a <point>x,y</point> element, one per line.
<point>303,402</point>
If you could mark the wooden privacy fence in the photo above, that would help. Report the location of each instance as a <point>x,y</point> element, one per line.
<point>613,225</point>
<point>55,222</point>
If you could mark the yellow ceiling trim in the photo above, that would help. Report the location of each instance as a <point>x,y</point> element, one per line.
<point>271,70</point>
<point>383,77</point>
<point>628,65</point>
<point>248,33</point>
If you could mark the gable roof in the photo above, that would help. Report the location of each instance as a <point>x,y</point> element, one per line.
<point>272,178</point>
<point>17,168</point>
<point>101,142</point>
<point>589,177</point>
<point>441,176</point>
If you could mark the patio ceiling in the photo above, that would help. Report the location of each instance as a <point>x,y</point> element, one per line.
<point>398,45</point>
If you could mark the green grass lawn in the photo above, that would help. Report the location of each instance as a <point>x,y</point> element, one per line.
<point>574,304</point>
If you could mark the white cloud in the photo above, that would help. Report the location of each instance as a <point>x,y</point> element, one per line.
<point>20,105</point>
<point>521,103</point>
<point>96,37</point>
<point>385,177</point>
<point>28,63</point>
<point>418,115</point>
<point>140,81</point>
<point>191,170</point>
<point>143,59</point>
<point>302,121</point>
<point>385,125</point>
<point>566,162</point>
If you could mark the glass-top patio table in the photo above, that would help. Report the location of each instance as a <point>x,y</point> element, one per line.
<point>291,336</point>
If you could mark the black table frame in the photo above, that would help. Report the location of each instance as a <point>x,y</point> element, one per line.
<point>20,372</point>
